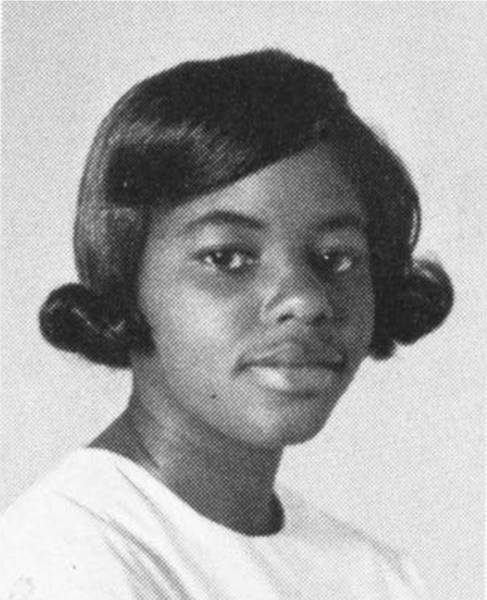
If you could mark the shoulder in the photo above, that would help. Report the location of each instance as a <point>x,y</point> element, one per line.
<point>352,548</point>
<point>83,480</point>
<point>90,490</point>
<point>56,535</point>
<point>310,518</point>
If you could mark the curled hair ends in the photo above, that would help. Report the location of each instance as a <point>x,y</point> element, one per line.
<point>103,329</point>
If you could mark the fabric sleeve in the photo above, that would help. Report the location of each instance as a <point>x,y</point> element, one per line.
<point>58,572</point>
<point>61,558</point>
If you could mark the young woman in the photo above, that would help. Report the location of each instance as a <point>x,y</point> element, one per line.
<point>243,241</point>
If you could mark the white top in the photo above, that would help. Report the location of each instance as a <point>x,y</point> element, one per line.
<point>100,527</point>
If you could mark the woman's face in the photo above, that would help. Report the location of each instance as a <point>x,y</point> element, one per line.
<point>260,301</point>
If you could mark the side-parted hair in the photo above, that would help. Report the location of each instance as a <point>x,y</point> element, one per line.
<point>201,126</point>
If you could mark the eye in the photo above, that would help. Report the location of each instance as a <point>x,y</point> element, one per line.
<point>339,262</point>
<point>231,260</point>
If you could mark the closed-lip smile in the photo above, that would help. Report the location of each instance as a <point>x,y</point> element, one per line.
<point>292,354</point>
<point>296,367</point>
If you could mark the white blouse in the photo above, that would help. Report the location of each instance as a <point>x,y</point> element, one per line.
<point>99,527</point>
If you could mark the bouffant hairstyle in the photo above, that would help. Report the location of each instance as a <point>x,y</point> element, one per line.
<point>204,125</point>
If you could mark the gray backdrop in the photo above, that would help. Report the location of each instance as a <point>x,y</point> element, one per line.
<point>402,455</point>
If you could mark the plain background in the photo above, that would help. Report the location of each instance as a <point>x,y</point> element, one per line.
<point>402,455</point>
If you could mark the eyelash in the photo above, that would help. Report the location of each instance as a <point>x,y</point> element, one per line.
<point>331,261</point>
<point>248,259</point>
<point>328,262</point>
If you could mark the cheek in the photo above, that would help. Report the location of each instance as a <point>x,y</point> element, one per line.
<point>359,305</point>
<point>366,312</point>
<point>197,322</point>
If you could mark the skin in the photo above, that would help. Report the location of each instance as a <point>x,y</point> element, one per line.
<point>218,293</point>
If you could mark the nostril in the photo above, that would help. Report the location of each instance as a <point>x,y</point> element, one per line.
<point>311,317</point>
<point>285,317</point>
<point>304,302</point>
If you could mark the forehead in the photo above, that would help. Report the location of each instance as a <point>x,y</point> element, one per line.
<point>295,193</point>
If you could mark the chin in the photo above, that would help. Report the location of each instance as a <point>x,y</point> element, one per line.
<point>294,438</point>
<point>288,429</point>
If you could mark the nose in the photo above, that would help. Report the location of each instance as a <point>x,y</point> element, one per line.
<point>298,295</point>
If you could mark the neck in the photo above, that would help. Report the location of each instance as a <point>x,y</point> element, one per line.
<point>222,478</point>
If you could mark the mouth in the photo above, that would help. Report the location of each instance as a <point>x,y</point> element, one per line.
<point>296,368</point>
<point>295,380</point>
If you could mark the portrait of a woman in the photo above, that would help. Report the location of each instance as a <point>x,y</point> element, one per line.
<point>243,241</point>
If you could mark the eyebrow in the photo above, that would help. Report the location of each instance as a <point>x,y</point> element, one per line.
<point>342,221</point>
<point>224,217</point>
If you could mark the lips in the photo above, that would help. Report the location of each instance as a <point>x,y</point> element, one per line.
<point>297,367</point>
<point>295,354</point>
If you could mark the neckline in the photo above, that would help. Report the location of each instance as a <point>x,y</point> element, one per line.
<point>180,508</point>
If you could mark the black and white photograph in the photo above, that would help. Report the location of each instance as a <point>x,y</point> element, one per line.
<point>243,300</point>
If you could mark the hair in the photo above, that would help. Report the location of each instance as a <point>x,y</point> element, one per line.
<point>201,126</point>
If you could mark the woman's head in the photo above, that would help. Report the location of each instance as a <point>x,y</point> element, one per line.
<point>199,128</point>
<point>259,301</point>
